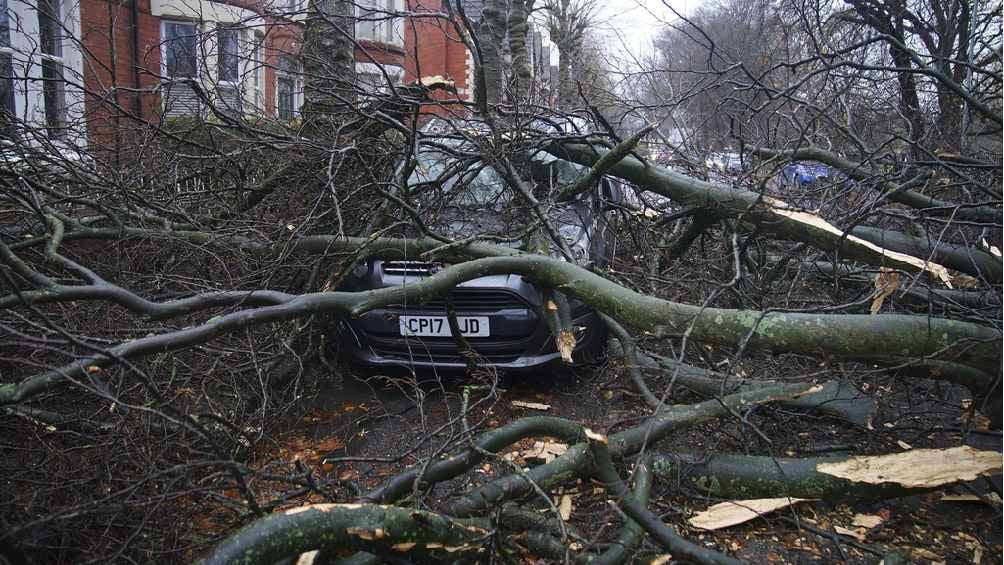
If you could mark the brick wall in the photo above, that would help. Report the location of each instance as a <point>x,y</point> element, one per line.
<point>433,48</point>
<point>111,96</point>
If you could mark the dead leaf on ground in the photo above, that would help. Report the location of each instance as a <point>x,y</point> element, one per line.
<point>921,553</point>
<point>731,513</point>
<point>545,451</point>
<point>662,559</point>
<point>918,468</point>
<point>904,445</point>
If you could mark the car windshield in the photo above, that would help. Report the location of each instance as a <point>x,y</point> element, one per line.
<point>445,174</point>
<point>464,182</point>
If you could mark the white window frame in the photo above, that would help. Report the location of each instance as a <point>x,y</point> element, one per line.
<point>257,56</point>
<point>297,77</point>
<point>27,81</point>
<point>395,72</point>
<point>199,66</point>
<point>56,58</point>
<point>386,29</point>
<point>218,46</point>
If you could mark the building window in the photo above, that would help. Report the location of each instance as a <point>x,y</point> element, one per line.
<point>287,8</point>
<point>376,22</point>
<point>258,73</point>
<point>228,46</point>
<point>370,77</point>
<point>7,109</point>
<point>288,88</point>
<point>180,50</point>
<point>50,32</point>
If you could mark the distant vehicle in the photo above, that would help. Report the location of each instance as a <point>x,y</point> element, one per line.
<point>808,173</point>
<point>725,162</point>
<point>500,316</point>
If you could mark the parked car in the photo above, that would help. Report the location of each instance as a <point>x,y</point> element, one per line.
<point>725,163</point>
<point>500,316</point>
<point>801,174</point>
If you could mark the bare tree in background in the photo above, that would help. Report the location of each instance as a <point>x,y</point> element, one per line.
<point>568,22</point>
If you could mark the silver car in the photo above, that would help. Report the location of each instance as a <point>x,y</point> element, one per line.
<point>459,195</point>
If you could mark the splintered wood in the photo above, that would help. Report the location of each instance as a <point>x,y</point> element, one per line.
<point>917,468</point>
<point>725,514</point>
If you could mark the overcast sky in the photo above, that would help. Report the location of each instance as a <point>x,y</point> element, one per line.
<point>630,25</point>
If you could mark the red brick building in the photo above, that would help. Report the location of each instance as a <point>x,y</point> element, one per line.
<point>146,58</point>
<point>116,65</point>
<point>150,59</point>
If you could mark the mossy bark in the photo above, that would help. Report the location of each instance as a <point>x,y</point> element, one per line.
<point>835,398</point>
<point>381,530</point>
<point>748,477</point>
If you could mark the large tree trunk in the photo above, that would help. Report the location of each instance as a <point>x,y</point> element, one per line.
<point>567,51</point>
<point>518,29</point>
<point>328,55</point>
<point>490,71</point>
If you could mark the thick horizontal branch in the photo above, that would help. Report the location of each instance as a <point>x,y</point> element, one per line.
<point>854,336</point>
<point>317,244</point>
<point>836,398</point>
<point>968,260</point>
<point>383,530</point>
<point>976,299</point>
<point>771,214</point>
<point>576,461</point>
<point>749,476</point>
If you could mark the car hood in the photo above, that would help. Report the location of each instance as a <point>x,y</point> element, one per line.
<point>571,220</point>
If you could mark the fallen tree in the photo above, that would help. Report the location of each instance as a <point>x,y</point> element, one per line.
<point>166,315</point>
<point>880,337</point>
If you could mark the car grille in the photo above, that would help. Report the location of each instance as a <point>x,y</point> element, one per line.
<point>475,300</point>
<point>421,268</point>
<point>420,354</point>
<point>444,349</point>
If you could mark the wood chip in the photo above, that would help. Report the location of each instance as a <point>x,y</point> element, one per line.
<point>904,445</point>
<point>886,283</point>
<point>867,521</point>
<point>961,498</point>
<point>856,534</point>
<point>725,514</point>
<point>545,451</point>
<point>565,507</point>
<point>917,468</point>
<point>531,405</point>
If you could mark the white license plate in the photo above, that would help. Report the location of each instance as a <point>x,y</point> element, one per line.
<point>439,326</point>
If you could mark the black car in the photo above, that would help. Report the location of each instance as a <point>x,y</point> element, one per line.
<point>500,316</point>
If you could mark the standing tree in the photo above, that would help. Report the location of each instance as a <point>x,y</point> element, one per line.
<point>568,21</point>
